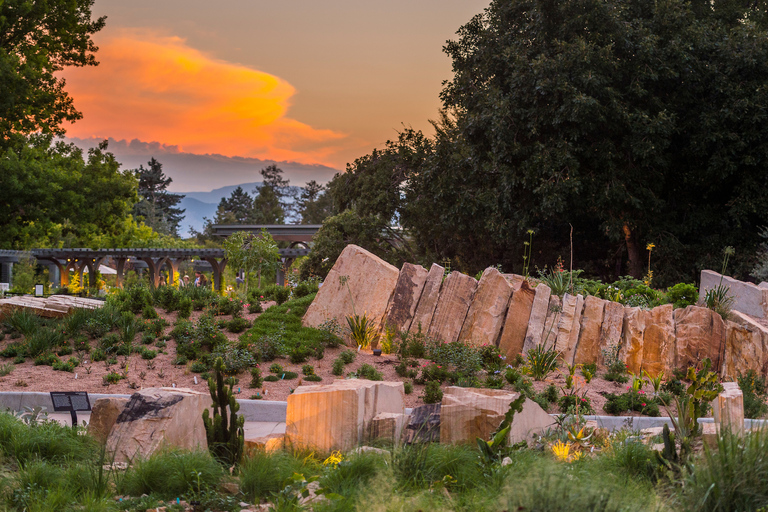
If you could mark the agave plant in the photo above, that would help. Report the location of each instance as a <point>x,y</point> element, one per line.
<point>362,330</point>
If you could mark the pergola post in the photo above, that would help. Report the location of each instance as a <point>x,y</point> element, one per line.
<point>218,270</point>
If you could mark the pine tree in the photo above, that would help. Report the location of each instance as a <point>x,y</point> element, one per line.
<point>157,206</point>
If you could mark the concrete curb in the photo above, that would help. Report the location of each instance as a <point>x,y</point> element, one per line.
<point>266,411</point>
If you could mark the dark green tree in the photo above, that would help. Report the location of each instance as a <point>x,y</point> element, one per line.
<point>235,209</point>
<point>272,202</point>
<point>37,39</point>
<point>157,206</point>
<point>315,204</point>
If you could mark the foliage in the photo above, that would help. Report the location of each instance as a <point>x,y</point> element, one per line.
<point>157,207</point>
<point>495,449</point>
<point>362,330</point>
<point>682,295</point>
<point>171,474</point>
<point>542,361</point>
<point>755,394</point>
<point>703,388</point>
<point>348,356</point>
<point>366,371</point>
<point>719,300</point>
<point>225,437</point>
<point>235,359</point>
<point>252,253</point>
<point>432,393</point>
<point>617,369</point>
<point>256,378</point>
<point>632,400</point>
<point>238,325</point>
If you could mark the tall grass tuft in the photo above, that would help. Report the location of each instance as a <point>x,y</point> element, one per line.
<point>43,340</point>
<point>420,465</point>
<point>731,477</point>
<point>171,474</point>
<point>23,322</point>
<point>262,473</point>
<point>46,441</point>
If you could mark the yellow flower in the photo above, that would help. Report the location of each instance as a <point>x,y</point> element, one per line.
<point>577,456</point>
<point>333,459</point>
<point>561,450</point>
<point>650,247</point>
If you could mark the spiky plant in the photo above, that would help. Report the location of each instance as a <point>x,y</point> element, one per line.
<point>224,432</point>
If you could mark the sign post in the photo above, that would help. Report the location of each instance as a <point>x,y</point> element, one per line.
<point>71,401</point>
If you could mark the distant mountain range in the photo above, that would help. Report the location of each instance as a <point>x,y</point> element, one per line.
<point>204,204</point>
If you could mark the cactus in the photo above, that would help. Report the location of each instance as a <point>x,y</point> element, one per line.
<point>225,436</point>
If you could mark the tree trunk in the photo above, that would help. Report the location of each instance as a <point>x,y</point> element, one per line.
<point>259,274</point>
<point>635,262</point>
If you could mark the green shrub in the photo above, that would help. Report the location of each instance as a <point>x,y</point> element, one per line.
<point>156,327</point>
<point>277,293</point>
<point>288,375</point>
<point>256,379</point>
<point>412,344</point>
<point>23,322</point>
<point>683,295</point>
<point>263,474</point>
<point>304,288</point>
<point>432,393</point>
<point>407,388</point>
<point>147,353</point>
<point>64,351</point>
<point>432,372</point>
<point>13,350</point>
<point>255,307</point>
<point>171,474</point>
<point>47,359</point>
<point>43,340</point>
<point>235,359</point>
<point>112,378</point>
<point>753,388</point>
<point>68,366</point>
<point>338,367</point>
<point>185,307</point>
<point>348,356</point>
<point>299,353</point>
<point>275,368</point>
<point>98,355</point>
<point>569,402</point>
<point>198,367</point>
<point>147,338</point>
<point>271,378</point>
<point>308,370</point>
<point>149,312</point>
<point>110,342</point>
<point>313,378</point>
<point>366,371</point>
<point>238,325</point>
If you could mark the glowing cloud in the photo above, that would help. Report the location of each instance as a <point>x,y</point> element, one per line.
<point>159,89</point>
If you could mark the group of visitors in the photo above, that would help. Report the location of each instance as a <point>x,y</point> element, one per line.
<point>200,280</point>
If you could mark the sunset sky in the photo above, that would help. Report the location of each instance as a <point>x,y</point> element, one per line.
<point>296,80</point>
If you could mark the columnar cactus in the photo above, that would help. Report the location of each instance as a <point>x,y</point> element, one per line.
<point>225,438</point>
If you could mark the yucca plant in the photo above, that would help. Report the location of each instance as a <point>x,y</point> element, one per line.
<point>542,361</point>
<point>362,330</point>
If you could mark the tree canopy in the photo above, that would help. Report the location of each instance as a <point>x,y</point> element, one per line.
<point>634,122</point>
<point>37,39</point>
<point>157,206</point>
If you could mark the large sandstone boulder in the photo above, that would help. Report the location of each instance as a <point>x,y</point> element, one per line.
<point>402,304</point>
<point>534,335</point>
<point>700,333</point>
<point>632,338</point>
<point>659,341</point>
<point>370,282</point>
<point>104,413</point>
<point>516,322</point>
<point>469,413</point>
<point>423,425</point>
<point>569,326</point>
<point>156,418</point>
<point>388,426</point>
<point>338,416</point>
<point>610,331</point>
<point>746,342</point>
<point>489,307</point>
<point>422,317</point>
<point>728,409</point>
<point>588,348</point>
<point>452,306</point>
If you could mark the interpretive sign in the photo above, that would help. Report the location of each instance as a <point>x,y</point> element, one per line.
<point>71,401</point>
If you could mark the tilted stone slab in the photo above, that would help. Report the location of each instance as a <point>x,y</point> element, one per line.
<point>746,342</point>
<point>516,322</point>
<point>452,306</point>
<point>588,348</point>
<point>469,413</point>
<point>370,283</point>
<point>104,414</point>
<point>425,309</point>
<point>570,326</point>
<point>659,341</point>
<point>699,333</point>
<point>157,418</point>
<point>749,298</point>
<point>338,416</point>
<point>610,331</point>
<point>388,426</point>
<point>402,304</point>
<point>489,307</point>
<point>632,338</point>
<point>535,332</point>
<point>552,322</point>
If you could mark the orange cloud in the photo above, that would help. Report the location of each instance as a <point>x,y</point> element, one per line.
<point>159,89</point>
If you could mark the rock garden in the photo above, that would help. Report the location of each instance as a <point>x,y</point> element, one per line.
<point>407,389</point>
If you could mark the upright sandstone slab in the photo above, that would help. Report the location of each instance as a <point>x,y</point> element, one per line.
<point>610,331</point>
<point>588,349</point>
<point>338,416</point>
<point>422,317</point>
<point>748,298</point>
<point>516,322</point>
<point>632,338</point>
<point>746,342</point>
<point>452,307</point>
<point>402,304</point>
<point>104,414</point>
<point>700,333</point>
<point>156,418</point>
<point>551,323</point>
<point>659,341</point>
<point>370,283</point>
<point>469,413</point>
<point>535,332</point>
<point>728,409</point>
<point>489,307</point>
<point>568,335</point>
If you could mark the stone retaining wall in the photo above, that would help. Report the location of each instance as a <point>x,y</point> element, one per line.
<point>516,315</point>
